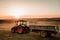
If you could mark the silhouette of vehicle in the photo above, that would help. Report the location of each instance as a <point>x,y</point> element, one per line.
<point>45,30</point>
<point>20,27</point>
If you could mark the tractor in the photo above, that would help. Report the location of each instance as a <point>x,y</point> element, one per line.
<point>20,27</point>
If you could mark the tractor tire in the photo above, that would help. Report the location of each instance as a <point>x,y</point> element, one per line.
<point>27,30</point>
<point>13,30</point>
<point>43,34</point>
<point>20,30</point>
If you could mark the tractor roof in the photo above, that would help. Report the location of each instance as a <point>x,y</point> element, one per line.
<point>22,21</point>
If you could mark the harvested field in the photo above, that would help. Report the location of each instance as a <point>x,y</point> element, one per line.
<point>5,34</point>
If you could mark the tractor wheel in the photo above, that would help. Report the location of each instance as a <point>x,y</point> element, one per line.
<point>12,30</point>
<point>27,30</point>
<point>20,30</point>
<point>43,34</point>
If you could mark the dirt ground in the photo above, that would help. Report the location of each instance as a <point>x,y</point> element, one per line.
<point>5,34</point>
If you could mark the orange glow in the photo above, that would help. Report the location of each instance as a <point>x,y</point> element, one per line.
<point>29,9</point>
<point>17,16</point>
<point>17,11</point>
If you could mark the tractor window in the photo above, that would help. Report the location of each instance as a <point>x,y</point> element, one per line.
<point>23,23</point>
<point>18,23</point>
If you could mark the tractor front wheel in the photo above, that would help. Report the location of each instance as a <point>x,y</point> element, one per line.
<point>27,30</point>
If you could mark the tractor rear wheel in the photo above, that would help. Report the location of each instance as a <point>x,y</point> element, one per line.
<point>20,30</point>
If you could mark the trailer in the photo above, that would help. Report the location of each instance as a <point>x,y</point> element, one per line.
<point>45,30</point>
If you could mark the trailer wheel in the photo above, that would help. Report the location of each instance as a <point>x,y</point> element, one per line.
<point>43,34</point>
<point>48,34</point>
<point>20,30</point>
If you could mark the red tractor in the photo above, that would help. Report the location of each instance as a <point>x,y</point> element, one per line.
<point>20,27</point>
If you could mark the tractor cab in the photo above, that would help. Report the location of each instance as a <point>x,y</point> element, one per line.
<point>22,23</point>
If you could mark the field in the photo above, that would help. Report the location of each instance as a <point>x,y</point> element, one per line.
<point>5,34</point>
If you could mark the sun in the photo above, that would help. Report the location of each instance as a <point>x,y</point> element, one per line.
<point>17,16</point>
<point>17,11</point>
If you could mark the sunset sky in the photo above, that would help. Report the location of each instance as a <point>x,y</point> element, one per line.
<point>29,8</point>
